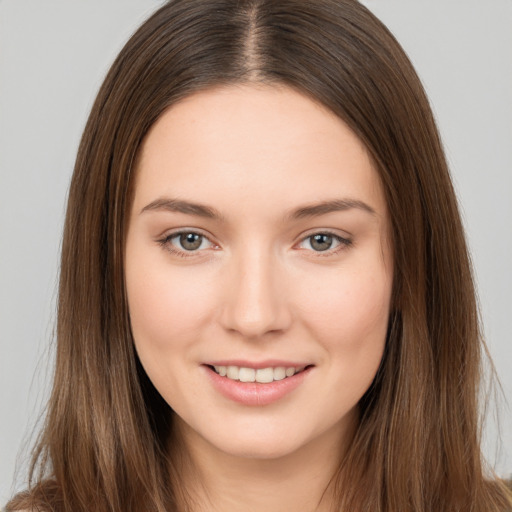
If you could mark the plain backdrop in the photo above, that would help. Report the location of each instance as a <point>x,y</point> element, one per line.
<point>53,57</point>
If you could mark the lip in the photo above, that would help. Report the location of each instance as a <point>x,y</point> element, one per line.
<point>255,393</point>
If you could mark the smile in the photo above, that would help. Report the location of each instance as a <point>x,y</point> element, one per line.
<point>269,383</point>
<point>261,375</point>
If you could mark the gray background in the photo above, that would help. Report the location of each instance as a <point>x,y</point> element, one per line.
<point>53,56</point>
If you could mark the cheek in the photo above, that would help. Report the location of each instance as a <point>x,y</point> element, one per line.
<point>165,307</point>
<point>350,303</point>
<point>349,318</point>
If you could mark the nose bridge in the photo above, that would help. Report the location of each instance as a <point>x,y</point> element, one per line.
<point>255,301</point>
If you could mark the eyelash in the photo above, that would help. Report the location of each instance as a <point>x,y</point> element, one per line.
<point>165,243</point>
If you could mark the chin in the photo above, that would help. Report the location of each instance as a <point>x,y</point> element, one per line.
<point>259,448</point>
<point>264,441</point>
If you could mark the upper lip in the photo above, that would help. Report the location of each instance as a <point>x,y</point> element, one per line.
<point>268,363</point>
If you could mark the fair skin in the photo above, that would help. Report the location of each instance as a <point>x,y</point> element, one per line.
<point>258,289</point>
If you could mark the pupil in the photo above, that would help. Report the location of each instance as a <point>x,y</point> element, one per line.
<point>321,242</point>
<point>190,241</point>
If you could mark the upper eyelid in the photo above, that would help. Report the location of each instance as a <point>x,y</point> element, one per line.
<point>195,231</point>
<point>327,231</point>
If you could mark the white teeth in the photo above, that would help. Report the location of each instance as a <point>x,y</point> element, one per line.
<point>290,372</point>
<point>247,375</point>
<point>279,373</point>
<point>261,375</point>
<point>232,372</point>
<point>264,375</point>
<point>221,370</point>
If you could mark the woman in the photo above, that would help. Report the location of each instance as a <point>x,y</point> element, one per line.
<point>265,301</point>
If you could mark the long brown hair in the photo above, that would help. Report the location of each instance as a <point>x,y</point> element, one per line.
<point>417,447</point>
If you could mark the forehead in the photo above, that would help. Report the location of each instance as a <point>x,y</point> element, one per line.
<point>254,149</point>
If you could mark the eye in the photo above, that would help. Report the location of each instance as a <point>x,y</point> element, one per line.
<point>323,243</point>
<point>188,243</point>
<point>184,242</point>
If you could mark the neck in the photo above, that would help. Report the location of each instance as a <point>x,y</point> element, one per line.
<point>215,481</point>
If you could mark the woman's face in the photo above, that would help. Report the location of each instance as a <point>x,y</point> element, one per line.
<point>258,244</point>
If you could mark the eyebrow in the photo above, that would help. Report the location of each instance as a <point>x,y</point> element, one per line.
<point>306,211</point>
<point>181,206</point>
<point>324,207</point>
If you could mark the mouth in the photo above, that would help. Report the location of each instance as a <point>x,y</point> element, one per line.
<point>257,384</point>
<point>259,375</point>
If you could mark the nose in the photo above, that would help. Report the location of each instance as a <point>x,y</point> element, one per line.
<point>255,300</point>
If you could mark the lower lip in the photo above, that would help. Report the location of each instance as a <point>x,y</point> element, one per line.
<point>255,393</point>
